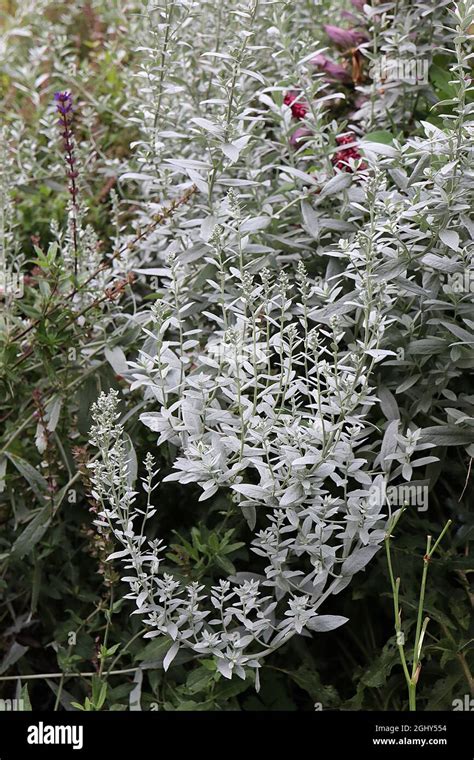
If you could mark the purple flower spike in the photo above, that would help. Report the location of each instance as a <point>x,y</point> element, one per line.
<point>334,71</point>
<point>64,107</point>
<point>345,38</point>
<point>63,101</point>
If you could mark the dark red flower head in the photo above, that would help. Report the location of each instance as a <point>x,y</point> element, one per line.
<point>341,159</point>
<point>299,108</point>
<point>346,139</point>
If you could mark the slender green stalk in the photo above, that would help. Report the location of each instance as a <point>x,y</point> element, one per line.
<point>421,624</point>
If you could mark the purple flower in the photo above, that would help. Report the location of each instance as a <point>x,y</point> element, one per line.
<point>63,102</point>
<point>64,107</point>
<point>359,4</point>
<point>350,17</point>
<point>345,38</point>
<point>299,135</point>
<point>331,69</point>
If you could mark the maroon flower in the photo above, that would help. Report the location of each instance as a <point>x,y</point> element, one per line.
<point>341,159</point>
<point>299,108</point>
<point>346,138</point>
<point>334,71</point>
<point>345,38</point>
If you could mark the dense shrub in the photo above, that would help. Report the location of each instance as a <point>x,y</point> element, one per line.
<point>240,235</point>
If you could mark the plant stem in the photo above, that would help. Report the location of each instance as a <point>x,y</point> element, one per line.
<point>421,625</point>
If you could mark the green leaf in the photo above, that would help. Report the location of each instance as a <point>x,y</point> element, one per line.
<point>199,680</point>
<point>380,136</point>
<point>228,689</point>
<point>154,650</point>
<point>26,698</point>
<point>441,79</point>
<point>99,692</point>
<point>447,435</point>
<point>36,481</point>
<point>309,680</point>
<point>33,533</point>
<point>377,674</point>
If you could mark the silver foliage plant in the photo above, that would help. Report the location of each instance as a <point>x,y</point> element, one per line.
<point>275,387</point>
<point>208,97</point>
<point>405,37</point>
<point>271,410</point>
